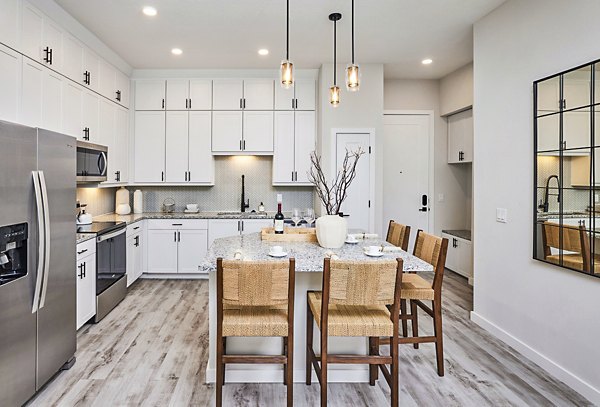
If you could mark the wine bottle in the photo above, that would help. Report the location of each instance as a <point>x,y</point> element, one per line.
<point>279,217</point>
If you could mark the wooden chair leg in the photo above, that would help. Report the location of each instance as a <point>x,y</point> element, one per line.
<point>394,352</point>
<point>373,369</point>
<point>285,367</point>
<point>439,340</point>
<point>404,321</point>
<point>415,321</point>
<point>323,371</point>
<point>220,373</point>
<point>224,353</point>
<point>290,370</point>
<point>309,343</point>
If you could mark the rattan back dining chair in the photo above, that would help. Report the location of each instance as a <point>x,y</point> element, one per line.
<point>353,302</point>
<point>574,241</point>
<point>255,298</point>
<point>415,289</point>
<point>398,235</point>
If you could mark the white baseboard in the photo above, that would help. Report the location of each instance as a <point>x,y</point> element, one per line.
<point>576,383</point>
<point>174,276</point>
<point>270,374</point>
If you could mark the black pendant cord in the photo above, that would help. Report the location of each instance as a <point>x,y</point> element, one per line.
<point>334,53</point>
<point>287,35</point>
<point>352,32</point>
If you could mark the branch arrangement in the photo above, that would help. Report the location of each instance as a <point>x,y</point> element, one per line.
<point>333,195</point>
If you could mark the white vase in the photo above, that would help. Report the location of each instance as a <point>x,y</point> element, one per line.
<point>331,231</point>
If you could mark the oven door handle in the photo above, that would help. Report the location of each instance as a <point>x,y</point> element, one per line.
<point>107,236</point>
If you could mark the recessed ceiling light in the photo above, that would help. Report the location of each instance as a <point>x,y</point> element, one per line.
<point>149,11</point>
<point>263,51</point>
<point>427,61</point>
<point>176,51</point>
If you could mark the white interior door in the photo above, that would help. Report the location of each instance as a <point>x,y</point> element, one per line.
<point>356,207</point>
<point>406,172</point>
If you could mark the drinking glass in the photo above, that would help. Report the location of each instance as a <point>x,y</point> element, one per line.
<point>296,216</point>
<point>309,216</point>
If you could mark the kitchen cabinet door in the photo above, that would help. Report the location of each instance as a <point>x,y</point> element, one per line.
<point>466,258</point>
<point>107,78</point>
<point>9,23</point>
<point>150,95</point>
<point>283,148</point>
<point>106,126</point>
<point>177,94</point>
<point>52,36</point>
<point>576,131</point>
<point>304,142</point>
<point>162,251</point>
<point>122,88</point>
<point>121,145</point>
<point>226,131</point>
<point>131,259</point>
<point>73,59</point>
<point>31,93</point>
<point>255,225</point>
<point>52,101</point>
<point>258,132</point>
<point>258,94</point>
<point>192,247</point>
<point>200,94</point>
<point>176,164</point>
<point>218,228</point>
<point>90,118</point>
<point>201,165</point>
<point>460,137</point>
<point>227,94</point>
<point>149,146</point>
<point>139,257</point>
<point>86,289</point>
<point>467,140</point>
<point>305,94</point>
<point>72,109</point>
<point>10,83</point>
<point>32,27</point>
<point>284,98</point>
<point>90,66</point>
<point>452,254</point>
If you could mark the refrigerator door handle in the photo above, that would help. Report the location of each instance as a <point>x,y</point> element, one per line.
<point>46,239</point>
<point>41,242</point>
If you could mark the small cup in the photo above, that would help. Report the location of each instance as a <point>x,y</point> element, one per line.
<point>192,207</point>
<point>374,249</point>
<point>276,249</point>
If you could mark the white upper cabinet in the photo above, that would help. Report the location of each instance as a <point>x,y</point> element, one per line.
<point>150,94</point>
<point>120,151</point>
<point>90,69</point>
<point>52,87</point>
<point>72,109</point>
<point>31,93</point>
<point>226,131</point>
<point>9,23</point>
<point>295,136</point>
<point>258,94</point>
<point>73,59</point>
<point>258,132</point>
<point>41,38</point>
<point>302,96</point>
<point>90,119</point>
<point>201,162</point>
<point>228,94</point>
<point>176,165</point>
<point>149,147</point>
<point>460,137</point>
<point>200,94</point>
<point>304,144</point>
<point>10,81</point>
<point>177,94</point>
<point>121,88</point>
<point>106,128</point>
<point>107,77</point>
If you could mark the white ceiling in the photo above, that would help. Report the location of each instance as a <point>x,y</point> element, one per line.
<point>227,34</point>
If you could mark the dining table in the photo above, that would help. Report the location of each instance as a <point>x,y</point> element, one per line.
<point>309,260</point>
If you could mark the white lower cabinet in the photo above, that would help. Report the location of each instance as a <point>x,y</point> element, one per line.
<point>176,245</point>
<point>135,252</point>
<point>460,255</point>
<point>218,228</point>
<point>85,274</point>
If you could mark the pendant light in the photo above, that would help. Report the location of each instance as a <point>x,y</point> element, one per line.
<point>287,67</point>
<point>352,71</point>
<point>334,91</point>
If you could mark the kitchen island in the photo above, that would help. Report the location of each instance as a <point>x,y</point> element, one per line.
<point>309,267</point>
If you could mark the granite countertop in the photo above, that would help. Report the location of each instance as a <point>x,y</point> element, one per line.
<point>567,215</point>
<point>135,217</point>
<point>82,237</point>
<point>309,256</point>
<point>462,233</point>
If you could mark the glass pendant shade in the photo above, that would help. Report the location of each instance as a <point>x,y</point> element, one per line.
<point>334,95</point>
<point>287,74</point>
<point>352,78</point>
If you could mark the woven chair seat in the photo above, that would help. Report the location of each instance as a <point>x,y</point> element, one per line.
<point>415,287</point>
<point>353,320</point>
<point>255,321</point>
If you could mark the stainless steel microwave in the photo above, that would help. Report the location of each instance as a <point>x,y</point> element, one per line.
<point>92,162</point>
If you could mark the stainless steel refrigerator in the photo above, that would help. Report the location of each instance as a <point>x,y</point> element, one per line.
<point>37,259</point>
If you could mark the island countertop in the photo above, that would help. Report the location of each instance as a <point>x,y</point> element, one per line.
<point>309,256</point>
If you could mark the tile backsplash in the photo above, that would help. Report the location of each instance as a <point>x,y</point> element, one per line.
<point>225,195</point>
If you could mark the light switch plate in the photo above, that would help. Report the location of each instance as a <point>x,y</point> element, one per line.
<point>501,215</point>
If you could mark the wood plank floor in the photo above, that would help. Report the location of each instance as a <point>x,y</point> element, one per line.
<point>152,350</point>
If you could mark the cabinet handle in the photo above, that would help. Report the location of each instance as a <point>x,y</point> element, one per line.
<point>89,78</point>
<point>293,103</point>
<point>186,176</point>
<point>189,175</point>
<point>83,251</point>
<point>136,228</point>
<point>296,103</point>
<point>80,275</point>
<point>240,145</point>
<point>163,103</point>
<point>176,224</point>
<point>162,176</point>
<point>174,236</point>
<point>242,223</point>
<point>239,229</point>
<point>47,56</point>
<point>137,241</point>
<point>118,176</point>
<point>244,144</point>
<point>118,95</point>
<point>190,103</point>
<point>179,236</point>
<point>241,103</point>
<point>244,103</point>
<point>51,58</point>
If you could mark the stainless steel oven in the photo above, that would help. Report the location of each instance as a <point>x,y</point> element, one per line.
<point>92,162</point>
<point>111,263</point>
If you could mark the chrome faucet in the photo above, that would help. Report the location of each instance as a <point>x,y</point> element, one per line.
<point>245,204</point>
<point>544,205</point>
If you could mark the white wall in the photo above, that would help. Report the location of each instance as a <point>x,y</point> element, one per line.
<point>362,109</point>
<point>550,314</point>
<point>456,90</point>
<point>453,181</point>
